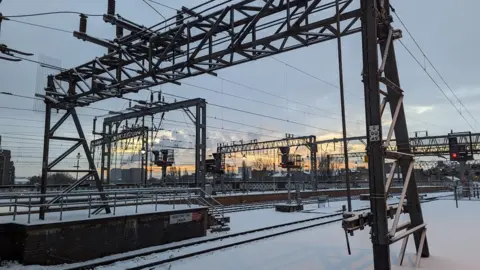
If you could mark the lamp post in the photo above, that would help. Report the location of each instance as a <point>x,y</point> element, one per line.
<point>144,180</point>
<point>78,165</point>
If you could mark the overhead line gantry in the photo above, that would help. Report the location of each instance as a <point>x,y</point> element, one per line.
<point>226,35</point>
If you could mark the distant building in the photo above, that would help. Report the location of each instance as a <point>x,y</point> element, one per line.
<point>7,168</point>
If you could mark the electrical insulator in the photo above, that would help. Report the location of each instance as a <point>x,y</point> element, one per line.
<point>119,32</point>
<point>71,88</point>
<point>83,23</point>
<point>50,83</point>
<point>179,18</point>
<point>111,7</point>
<point>151,97</point>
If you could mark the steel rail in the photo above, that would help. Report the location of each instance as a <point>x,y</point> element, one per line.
<point>164,249</point>
<point>193,254</point>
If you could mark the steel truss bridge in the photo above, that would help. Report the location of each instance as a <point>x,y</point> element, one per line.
<point>289,141</point>
<point>420,146</point>
<point>240,147</point>
<point>205,39</point>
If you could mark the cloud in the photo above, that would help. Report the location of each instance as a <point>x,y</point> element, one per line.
<point>419,109</point>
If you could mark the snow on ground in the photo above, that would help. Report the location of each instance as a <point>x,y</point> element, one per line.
<point>449,236</point>
<point>327,241</point>
<point>55,217</point>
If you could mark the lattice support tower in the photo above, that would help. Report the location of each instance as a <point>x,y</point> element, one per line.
<point>377,30</point>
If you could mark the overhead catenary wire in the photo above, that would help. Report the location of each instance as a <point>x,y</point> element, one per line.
<point>266,103</point>
<point>256,114</point>
<point>88,115</point>
<point>51,13</point>
<point>163,5</point>
<point>434,68</point>
<point>430,62</point>
<point>41,26</point>
<point>158,12</point>
<point>436,84</point>
<point>234,109</point>
<point>226,130</point>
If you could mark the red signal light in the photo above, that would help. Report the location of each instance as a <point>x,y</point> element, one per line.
<point>454,155</point>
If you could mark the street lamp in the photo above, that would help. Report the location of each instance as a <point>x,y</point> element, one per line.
<point>78,165</point>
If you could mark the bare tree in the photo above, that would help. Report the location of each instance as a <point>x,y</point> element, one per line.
<point>323,164</point>
<point>259,164</point>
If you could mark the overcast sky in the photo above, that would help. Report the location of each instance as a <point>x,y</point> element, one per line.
<point>444,30</point>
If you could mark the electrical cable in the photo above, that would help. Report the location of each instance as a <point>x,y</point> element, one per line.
<point>433,66</point>
<point>430,62</point>
<point>41,26</point>
<point>268,104</point>
<point>158,12</point>
<point>51,13</point>
<point>435,82</point>
<point>163,5</point>
<point>256,114</point>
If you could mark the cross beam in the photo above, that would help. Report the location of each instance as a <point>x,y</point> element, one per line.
<point>231,35</point>
<point>308,141</point>
<point>234,147</point>
<point>420,146</point>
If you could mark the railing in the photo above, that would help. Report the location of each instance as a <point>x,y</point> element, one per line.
<point>228,186</point>
<point>215,208</point>
<point>25,205</point>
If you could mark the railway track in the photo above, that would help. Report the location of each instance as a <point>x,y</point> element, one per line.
<point>331,218</point>
<point>271,204</point>
<point>211,239</point>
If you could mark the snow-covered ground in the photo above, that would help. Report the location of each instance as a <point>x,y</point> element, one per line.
<point>55,217</point>
<point>450,234</point>
<point>319,248</point>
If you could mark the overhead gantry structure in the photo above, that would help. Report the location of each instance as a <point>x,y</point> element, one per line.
<point>197,42</point>
<point>289,141</point>
<point>198,118</point>
<point>420,146</point>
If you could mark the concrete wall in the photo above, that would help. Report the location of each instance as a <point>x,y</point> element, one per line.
<point>69,242</point>
<point>249,198</point>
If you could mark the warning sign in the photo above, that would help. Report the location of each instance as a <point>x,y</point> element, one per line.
<point>181,218</point>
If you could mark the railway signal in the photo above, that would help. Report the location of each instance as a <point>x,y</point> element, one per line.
<point>460,150</point>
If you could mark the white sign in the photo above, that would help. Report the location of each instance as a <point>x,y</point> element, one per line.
<point>180,218</point>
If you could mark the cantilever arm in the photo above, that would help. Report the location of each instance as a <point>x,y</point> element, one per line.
<point>10,59</point>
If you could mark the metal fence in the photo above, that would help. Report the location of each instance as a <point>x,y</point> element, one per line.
<point>26,205</point>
